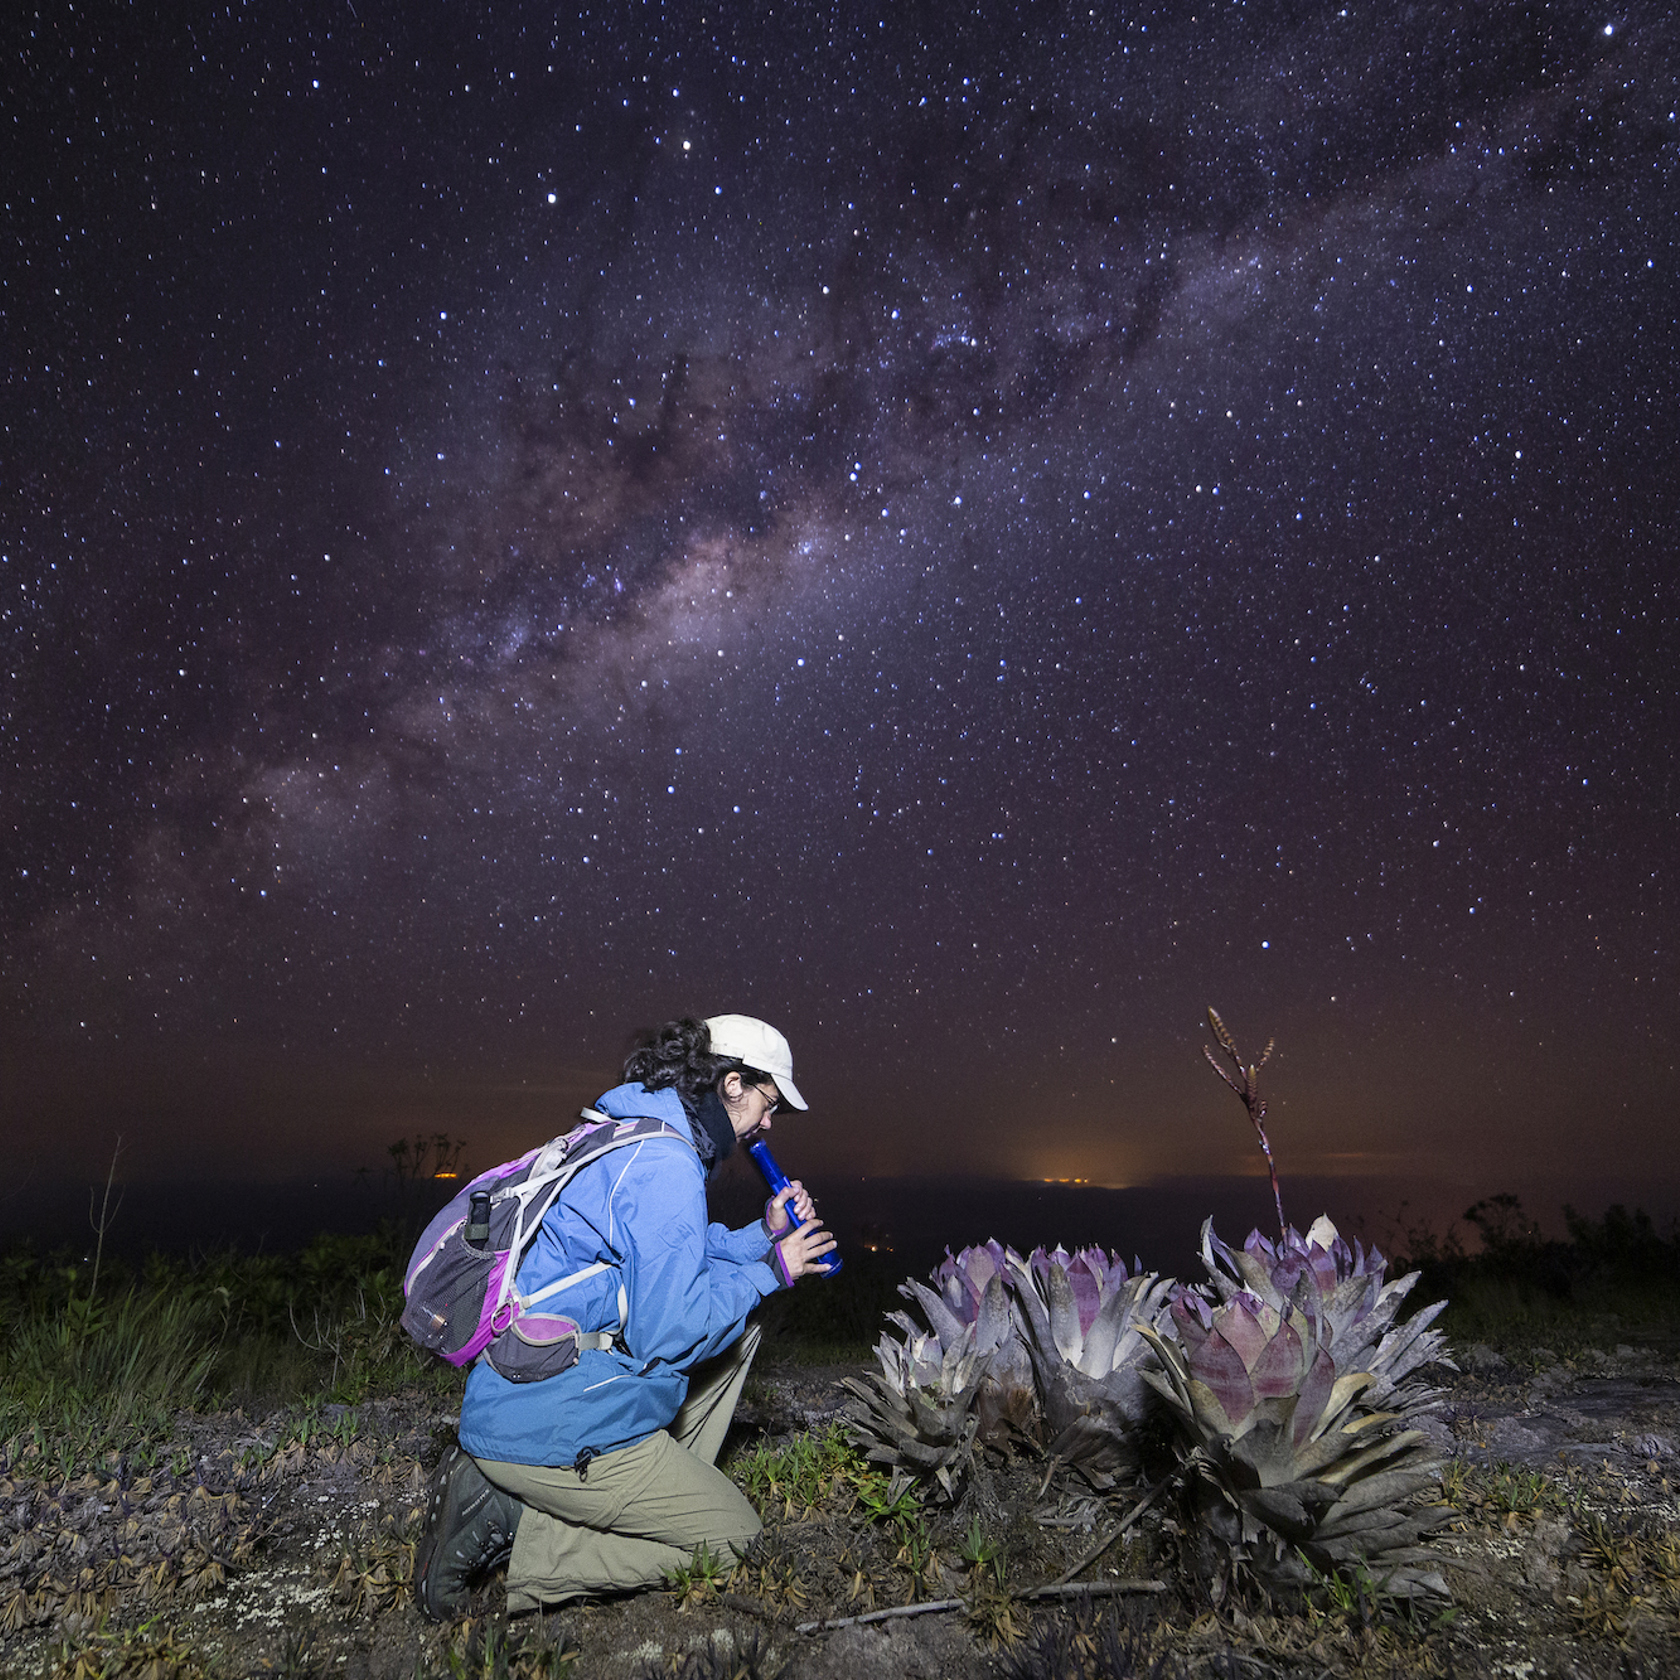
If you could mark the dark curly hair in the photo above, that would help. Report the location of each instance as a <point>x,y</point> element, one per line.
<point>678,1056</point>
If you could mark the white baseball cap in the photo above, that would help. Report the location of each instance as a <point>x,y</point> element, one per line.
<point>760,1046</point>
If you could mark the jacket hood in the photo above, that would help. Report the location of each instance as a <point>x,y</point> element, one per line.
<point>636,1101</point>
<point>707,1128</point>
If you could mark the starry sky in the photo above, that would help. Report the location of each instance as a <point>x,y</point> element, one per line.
<point>972,532</point>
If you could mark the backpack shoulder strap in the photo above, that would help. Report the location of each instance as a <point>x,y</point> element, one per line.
<point>561,1157</point>
<point>552,1179</point>
<point>627,1131</point>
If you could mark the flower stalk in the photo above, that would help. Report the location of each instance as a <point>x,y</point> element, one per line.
<point>1249,1090</point>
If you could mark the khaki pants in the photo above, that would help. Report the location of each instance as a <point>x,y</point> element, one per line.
<point>639,1511</point>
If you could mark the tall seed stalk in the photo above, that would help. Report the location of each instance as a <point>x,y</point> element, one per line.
<point>1249,1091</point>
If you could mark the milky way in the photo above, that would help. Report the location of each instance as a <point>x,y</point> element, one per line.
<point>972,533</point>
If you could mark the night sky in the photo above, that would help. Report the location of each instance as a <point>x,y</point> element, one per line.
<point>971,532</point>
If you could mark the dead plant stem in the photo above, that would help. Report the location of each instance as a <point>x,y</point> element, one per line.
<point>1125,1523</point>
<point>1058,1589</point>
<point>1095,1589</point>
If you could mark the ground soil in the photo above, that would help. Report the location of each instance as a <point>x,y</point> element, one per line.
<point>253,1552</point>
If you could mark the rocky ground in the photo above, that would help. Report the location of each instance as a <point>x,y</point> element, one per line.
<point>283,1545</point>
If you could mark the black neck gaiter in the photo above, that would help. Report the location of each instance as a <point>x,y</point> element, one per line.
<point>714,1136</point>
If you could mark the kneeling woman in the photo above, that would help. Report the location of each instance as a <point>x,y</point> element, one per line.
<point>603,1477</point>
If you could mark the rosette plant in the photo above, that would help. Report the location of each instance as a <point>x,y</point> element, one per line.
<point>1285,1467</point>
<point>972,1288</point>
<point>1355,1307</point>
<point>1292,1398</point>
<point>1082,1316</point>
<point>917,1411</point>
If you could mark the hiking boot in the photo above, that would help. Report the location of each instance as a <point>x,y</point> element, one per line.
<point>470,1525</point>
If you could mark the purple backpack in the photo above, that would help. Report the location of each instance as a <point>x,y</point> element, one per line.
<point>462,1298</point>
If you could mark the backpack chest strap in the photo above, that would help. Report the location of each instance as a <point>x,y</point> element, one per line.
<point>554,1288</point>
<point>600,1266</point>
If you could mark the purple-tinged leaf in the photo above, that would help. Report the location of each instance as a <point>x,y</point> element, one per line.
<point>1215,1412</point>
<point>941,1320</point>
<point>1238,1322</point>
<point>1277,1369</point>
<point>1103,1334</point>
<point>1287,1271</point>
<point>992,1324</point>
<point>1042,1259</point>
<point>1065,1329</point>
<point>1316,1389</point>
<point>1086,1292</point>
<point>1220,1368</point>
<point>1192,1319</point>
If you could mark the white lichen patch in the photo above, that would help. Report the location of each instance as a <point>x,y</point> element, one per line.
<point>265,1599</point>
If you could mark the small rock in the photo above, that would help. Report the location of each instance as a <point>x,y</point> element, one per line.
<point>1482,1361</point>
<point>1625,1351</point>
<point>1654,1446</point>
<point>1540,1556</point>
<point>1544,1357</point>
<point>1510,1439</point>
<point>1437,1432</point>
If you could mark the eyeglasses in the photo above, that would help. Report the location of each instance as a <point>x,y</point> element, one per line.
<point>775,1096</point>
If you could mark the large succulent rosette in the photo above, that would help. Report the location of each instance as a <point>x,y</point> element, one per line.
<point>918,1410</point>
<point>1296,1463</point>
<point>1082,1316</point>
<point>971,1289</point>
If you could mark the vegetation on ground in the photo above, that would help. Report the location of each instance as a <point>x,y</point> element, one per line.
<point>100,1374</point>
<point>288,1367</point>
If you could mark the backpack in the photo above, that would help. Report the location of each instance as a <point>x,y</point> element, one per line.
<point>461,1297</point>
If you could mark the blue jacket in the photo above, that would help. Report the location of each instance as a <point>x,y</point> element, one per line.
<point>689,1287</point>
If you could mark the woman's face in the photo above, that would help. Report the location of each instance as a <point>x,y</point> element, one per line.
<point>749,1107</point>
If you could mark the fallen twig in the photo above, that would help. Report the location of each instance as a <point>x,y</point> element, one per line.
<point>1125,1522</point>
<point>747,1606</point>
<point>926,1609</point>
<point>1057,1589</point>
<point>1093,1589</point>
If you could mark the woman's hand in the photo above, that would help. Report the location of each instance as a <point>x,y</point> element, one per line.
<point>800,1253</point>
<point>778,1220</point>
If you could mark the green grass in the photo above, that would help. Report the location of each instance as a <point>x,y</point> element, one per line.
<point>91,1376</point>
<point>810,1470</point>
<point>803,1355</point>
<point>1503,1489</point>
<point>1514,1313</point>
<point>153,1650</point>
<point>97,1375</point>
<point>802,1473</point>
<point>78,1385</point>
